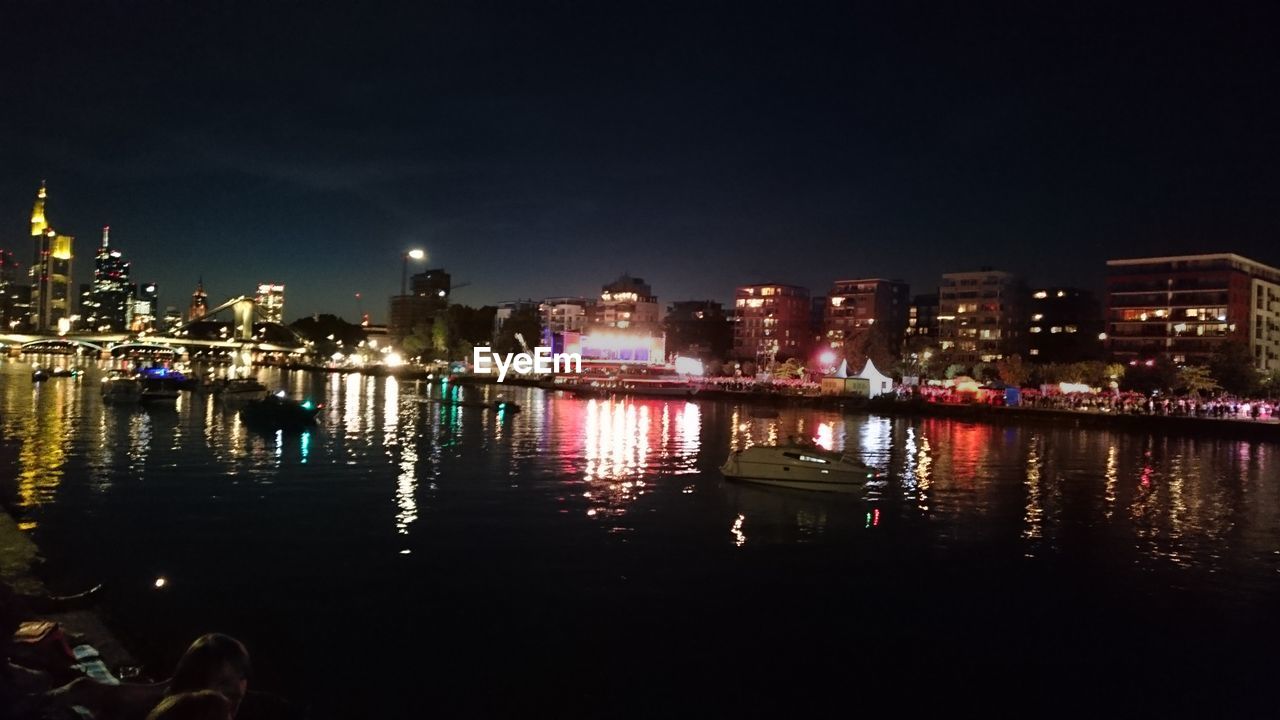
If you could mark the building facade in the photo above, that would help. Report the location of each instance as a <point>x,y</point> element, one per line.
<point>922,316</point>
<point>857,306</point>
<point>270,302</point>
<point>982,316</point>
<point>562,315</point>
<point>1065,325</point>
<point>146,308</point>
<point>199,303</point>
<point>50,272</point>
<point>15,295</point>
<point>429,295</point>
<point>627,303</point>
<point>1185,308</point>
<point>772,322</point>
<point>107,305</point>
<point>698,328</point>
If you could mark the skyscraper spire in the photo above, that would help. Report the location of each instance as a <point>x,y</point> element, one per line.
<point>38,222</point>
<point>106,236</point>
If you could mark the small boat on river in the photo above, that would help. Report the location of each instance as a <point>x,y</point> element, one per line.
<point>280,412</point>
<point>798,466</point>
<point>121,388</point>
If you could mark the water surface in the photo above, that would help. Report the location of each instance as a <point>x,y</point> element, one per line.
<point>585,557</point>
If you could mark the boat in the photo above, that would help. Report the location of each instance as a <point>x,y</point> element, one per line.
<point>798,466</point>
<point>160,385</point>
<point>239,389</point>
<point>39,375</point>
<point>280,412</point>
<point>654,386</point>
<point>121,388</point>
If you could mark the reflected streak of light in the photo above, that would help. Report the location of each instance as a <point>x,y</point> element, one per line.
<point>304,446</point>
<point>407,489</point>
<point>390,410</point>
<point>1033,517</point>
<point>739,537</point>
<point>826,436</point>
<point>924,476</point>
<point>1113,477</point>
<point>351,404</point>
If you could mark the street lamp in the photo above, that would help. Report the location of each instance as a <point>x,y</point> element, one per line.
<point>414,254</point>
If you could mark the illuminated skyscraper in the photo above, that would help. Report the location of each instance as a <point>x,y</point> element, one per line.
<point>199,303</point>
<point>270,302</point>
<point>50,272</point>
<point>144,308</point>
<point>107,305</point>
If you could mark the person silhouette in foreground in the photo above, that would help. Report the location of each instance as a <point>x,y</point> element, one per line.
<point>213,662</point>
<point>199,705</point>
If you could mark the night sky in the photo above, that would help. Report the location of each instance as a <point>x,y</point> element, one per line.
<point>543,148</point>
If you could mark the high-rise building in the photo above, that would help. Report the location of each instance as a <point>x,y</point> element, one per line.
<point>15,296</point>
<point>855,307</point>
<point>772,322</point>
<point>1065,325</point>
<point>172,318</point>
<point>982,316</point>
<point>50,272</point>
<point>429,294</point>
<point>107,306</point>
<point>145,308</point>
<point>1185,308</point>
<point>627,303</point>
<point>270,302</point>
<point>199,303</point>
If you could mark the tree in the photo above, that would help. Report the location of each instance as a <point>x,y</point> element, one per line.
<point>524,322</point>
<point>1232,366</point>
<point>1013,372</point>
<point>872,344</point>
<point>1195,379</point>
<point>956,370</point>
<point>1159,375</point>
<point>418,342</point>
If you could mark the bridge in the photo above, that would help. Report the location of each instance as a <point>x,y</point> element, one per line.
<point>247,331</point>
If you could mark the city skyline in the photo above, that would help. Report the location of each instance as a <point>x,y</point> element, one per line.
<point>700,155</point>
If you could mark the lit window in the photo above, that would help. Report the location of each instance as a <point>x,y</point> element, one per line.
<point>1035,328</point>
<point>1040,295</point>
<point>1037,317</point>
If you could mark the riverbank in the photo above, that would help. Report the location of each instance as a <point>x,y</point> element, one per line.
<point>1226,428</point>
<point>19,559</point>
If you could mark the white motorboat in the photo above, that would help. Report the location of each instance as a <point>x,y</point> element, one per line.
<point>121,388</point>
<point>799,467</point>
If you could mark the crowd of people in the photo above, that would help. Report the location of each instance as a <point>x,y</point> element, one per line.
<point>47,675</point>
<point>1224,407</point>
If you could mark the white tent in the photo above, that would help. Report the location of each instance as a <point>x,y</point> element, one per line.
<point>843,372</point>
<point>880,383</point>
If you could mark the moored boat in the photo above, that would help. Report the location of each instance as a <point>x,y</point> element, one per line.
<point>121,388</point>
<point>280,412</point>
<point>798,467</point>
<point>160,385</point>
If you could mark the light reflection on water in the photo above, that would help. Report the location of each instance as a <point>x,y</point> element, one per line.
<point>632,464</point>
<point>408,513</point>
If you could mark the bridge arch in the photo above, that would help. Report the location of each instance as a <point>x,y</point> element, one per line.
<point>63,343</point>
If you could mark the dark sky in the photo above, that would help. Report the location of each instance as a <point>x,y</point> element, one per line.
<point>542,148</point>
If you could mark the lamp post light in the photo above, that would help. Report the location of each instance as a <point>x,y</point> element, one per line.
<point>414,254</point>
